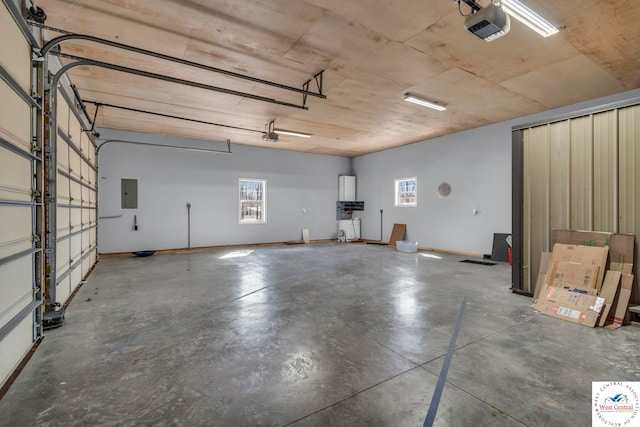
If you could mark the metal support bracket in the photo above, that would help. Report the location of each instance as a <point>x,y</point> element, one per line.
<point>85,61</point>
<point>472,4</point>
<point>305,87</point>
<point>54,43</point>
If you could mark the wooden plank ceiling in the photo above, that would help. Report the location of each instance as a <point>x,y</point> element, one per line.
<point>372,52</point>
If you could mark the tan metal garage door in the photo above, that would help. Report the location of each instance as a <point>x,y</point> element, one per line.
<point>580,173</point>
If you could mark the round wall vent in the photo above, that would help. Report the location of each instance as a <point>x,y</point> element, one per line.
<point>444,189</point>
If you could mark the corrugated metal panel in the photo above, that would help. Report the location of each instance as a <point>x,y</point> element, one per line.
<point>559,170</point>
<point>629,164</point>
<point>604,170</point>
<point>580,197</point>
<point>527,284</point>
<point>629,177</point>
<point>581,174</point>
<point>537,207</point>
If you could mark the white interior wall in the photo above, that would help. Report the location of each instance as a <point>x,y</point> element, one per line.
<point>169,178</point>
<point>477,164</point>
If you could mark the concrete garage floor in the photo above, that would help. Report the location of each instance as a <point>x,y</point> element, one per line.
<point>310,335</point>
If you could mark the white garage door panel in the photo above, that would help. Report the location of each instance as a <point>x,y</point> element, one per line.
<point>84,171</point>
<point>76,219</point>
<point>93,215</point>
<point>17,237</point>
<point>86,266</point>
<point>74,163</point>
<point>62,257</point>
<point>63,155</point>
<point>86,241</point>
<point>63,189</point>
<point>85,196</point>
<point>75,132</point>
<point>16,53</point>
<point>76,277</point>
<point>63,290</point>
<point>84,144</point>
<point>85,218</point>
<point>92,234</point>
<point>17,277</point>
<point>15,117</point>
<point>62,114</point>
<point>91,155</point>
<point>92,198</point>
<point>16,287</point>
<point>14,347</point>
<point>76,247</point>
<point>76,192</point>
<point>15,176</point>
<point>90,150</point>
<point>63,222</point>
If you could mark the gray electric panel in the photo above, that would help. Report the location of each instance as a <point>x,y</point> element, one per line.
<point>129,193</point>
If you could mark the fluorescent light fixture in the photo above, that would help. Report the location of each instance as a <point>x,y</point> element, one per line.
<point>423,102</point>
<point>529,18</point>
<point>292,133</point>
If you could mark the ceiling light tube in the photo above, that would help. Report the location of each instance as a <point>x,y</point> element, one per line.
<point>529,18</point>
<point>412,98</point>
<point>292,133</point>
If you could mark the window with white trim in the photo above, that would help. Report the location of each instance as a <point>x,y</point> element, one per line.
<point>253,201</point>
<point>406,192</point>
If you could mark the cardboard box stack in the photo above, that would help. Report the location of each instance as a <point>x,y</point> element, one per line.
<point>587,278</point>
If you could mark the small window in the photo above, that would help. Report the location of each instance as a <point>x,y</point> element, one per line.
<point>253,198</point>
<point>406,192</point>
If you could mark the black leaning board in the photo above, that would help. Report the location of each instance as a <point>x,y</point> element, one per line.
<point>499,250</point>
